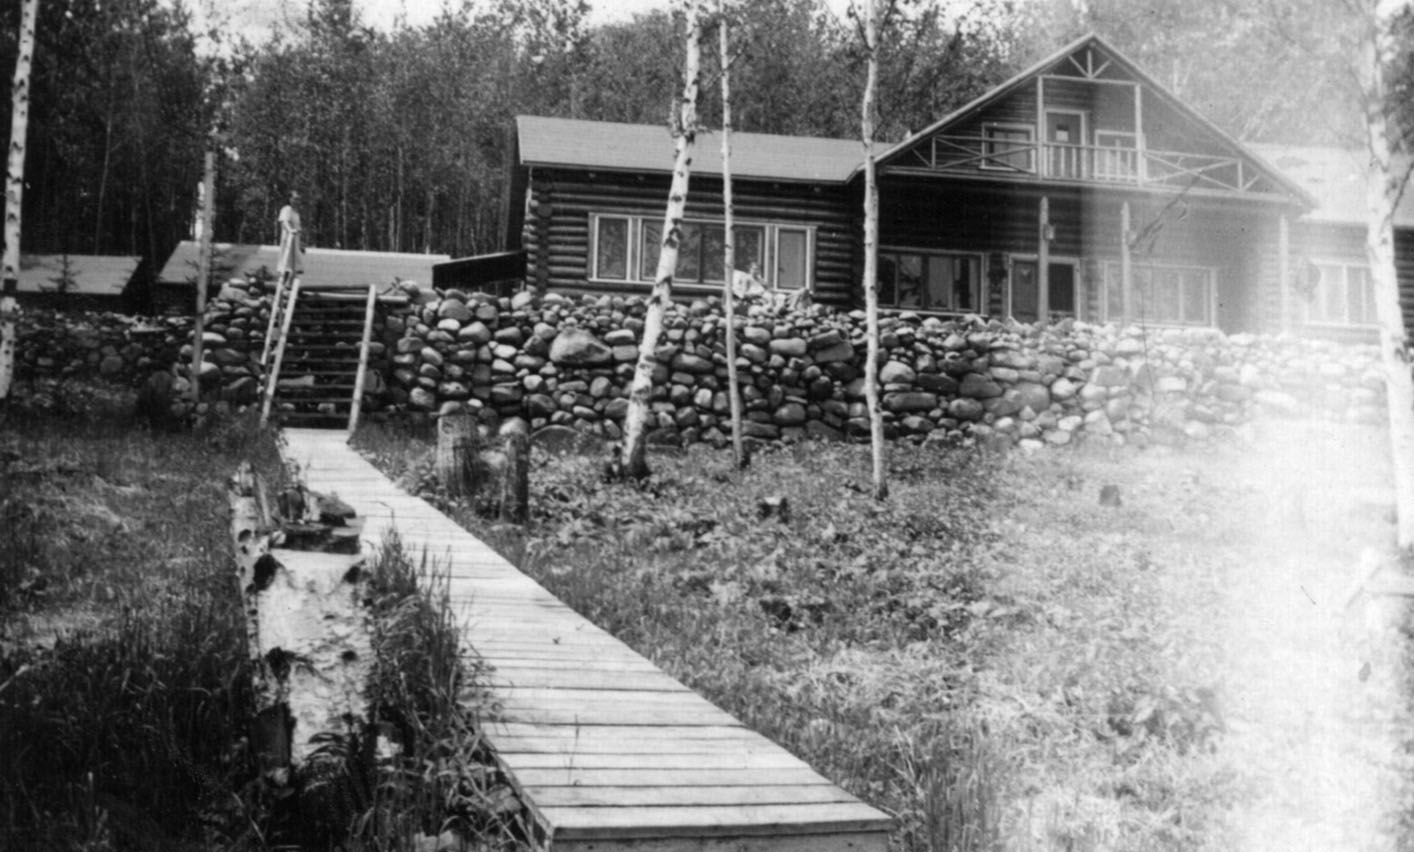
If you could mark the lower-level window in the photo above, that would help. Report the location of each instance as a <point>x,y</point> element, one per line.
<point>929,282</point>
<point>1163,295</point>
<point>1342,294</point>
<point>626,248</point>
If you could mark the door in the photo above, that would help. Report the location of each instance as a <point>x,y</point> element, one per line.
<point>1065,144</point>
<point>1062,281</point>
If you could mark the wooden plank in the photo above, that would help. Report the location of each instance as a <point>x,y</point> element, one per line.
<point>772,759</point>
<point>712,820</point>
<point>613,715</point>
<point>658,796</point>
<point>572,680</point>
<point>627,734</point>
<point>578,776</point>
<point>862,841</point>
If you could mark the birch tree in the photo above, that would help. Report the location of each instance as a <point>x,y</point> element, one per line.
<point>14,192</point>
<point>684,128</point>
<point>871,250</point>
<point>1383,187</point>
<point>729,241</point>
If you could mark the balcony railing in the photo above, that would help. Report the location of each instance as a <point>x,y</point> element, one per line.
<point>1091,163</point>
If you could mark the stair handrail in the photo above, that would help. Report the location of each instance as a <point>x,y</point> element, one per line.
<point>276,308</point>
<point>363,355</point>
<point>272,375</point>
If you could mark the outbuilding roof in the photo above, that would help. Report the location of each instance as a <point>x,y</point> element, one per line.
<point>323,268</point>
<point>1335,178</point>
<point>86,274</point>
<point>649,148</point>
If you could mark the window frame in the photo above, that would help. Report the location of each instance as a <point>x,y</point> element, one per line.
<point>978,283</point>
<point>1113,271</point>
<point>639,225</point>
<point>994,162</point>
<point>1317,298</point>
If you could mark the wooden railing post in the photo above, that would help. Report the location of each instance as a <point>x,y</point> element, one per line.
<point>272,375</point>
<point>368,312</point>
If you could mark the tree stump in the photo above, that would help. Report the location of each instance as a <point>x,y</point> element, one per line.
<point>515,478</point>
<point>458,442</point>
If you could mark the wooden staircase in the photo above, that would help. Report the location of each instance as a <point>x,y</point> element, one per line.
<point>317,357</point>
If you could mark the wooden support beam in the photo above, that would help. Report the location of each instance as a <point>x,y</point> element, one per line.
<point>1126,267</point>
<point>1043,262</point>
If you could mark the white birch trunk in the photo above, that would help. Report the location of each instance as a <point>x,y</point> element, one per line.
<point>871,255</point>
<point>14,193</point>
<point>729,241</point>
<point>203,273</point>
<point>635,455</point>
<point>1383,188</point>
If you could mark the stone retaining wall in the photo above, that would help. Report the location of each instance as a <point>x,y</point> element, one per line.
<point>569,362</point>
<point>118,348</point>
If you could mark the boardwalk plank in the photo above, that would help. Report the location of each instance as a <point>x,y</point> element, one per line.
<point>610,753</point>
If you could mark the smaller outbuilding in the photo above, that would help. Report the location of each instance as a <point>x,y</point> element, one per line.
<point>324,269</point>
<point>80,282</point>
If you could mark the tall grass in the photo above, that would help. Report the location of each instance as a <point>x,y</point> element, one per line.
<point>123,682</point>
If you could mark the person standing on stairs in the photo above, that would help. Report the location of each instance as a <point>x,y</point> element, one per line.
<point>291,242</point>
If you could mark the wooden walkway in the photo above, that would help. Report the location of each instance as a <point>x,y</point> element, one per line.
<point>607,751</point>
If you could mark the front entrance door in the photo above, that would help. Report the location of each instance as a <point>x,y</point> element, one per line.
<point>1065,144</point>
<point>1062,275</point>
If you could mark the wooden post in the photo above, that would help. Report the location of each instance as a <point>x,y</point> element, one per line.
<point>515,479</point>
<point>1043,263</point>
<point>1284,271</point>
<point>363,353</point>
<point>458,441</point>
<point>1126,265</point>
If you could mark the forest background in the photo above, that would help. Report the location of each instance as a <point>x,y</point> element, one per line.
<point>398,139</point>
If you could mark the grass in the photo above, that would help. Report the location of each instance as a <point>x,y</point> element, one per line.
<point>125,692</point>
<point>994,655</point>
<point>123,682</point>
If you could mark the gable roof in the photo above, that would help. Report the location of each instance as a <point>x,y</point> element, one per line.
<point>1118,61</point>
<point>1335,178</point>
<point>323,268</point>
<point>88,274</point>
<point>649,148</point>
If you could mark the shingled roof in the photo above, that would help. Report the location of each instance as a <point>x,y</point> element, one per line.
<point>1335,178</point>
<point>85,274</point>
<point>323,268</point>
<point>649,148</point>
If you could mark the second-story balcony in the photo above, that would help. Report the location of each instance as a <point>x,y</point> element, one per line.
<point>1106,164</point>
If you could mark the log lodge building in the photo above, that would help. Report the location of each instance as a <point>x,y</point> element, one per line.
<point>1078,188</point>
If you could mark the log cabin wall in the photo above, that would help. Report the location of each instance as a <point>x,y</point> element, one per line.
<point>562,205</point>
<point>999,224</point>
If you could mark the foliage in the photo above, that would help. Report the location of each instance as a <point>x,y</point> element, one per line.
<point>123,680</point>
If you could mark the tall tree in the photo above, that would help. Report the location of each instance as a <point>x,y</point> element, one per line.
<point>635,450</point>
<point>1385,183</point>
<point>14,193</point>
<point>871,249</point>
<point>729,241</point>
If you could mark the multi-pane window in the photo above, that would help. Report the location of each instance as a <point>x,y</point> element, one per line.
<point>627,248</point>
<point>1163,295</point>
<point>1008,147</point>
<point>1343,294</point>
<point>929,282</point>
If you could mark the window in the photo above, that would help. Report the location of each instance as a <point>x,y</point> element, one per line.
<point>1343,294</point>
<point>1163,295</point>
<point>611,239</point>
<point>626,248</point>
<point>1007,147</point>
<point>1116,155</point>
<point>929,282</point>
